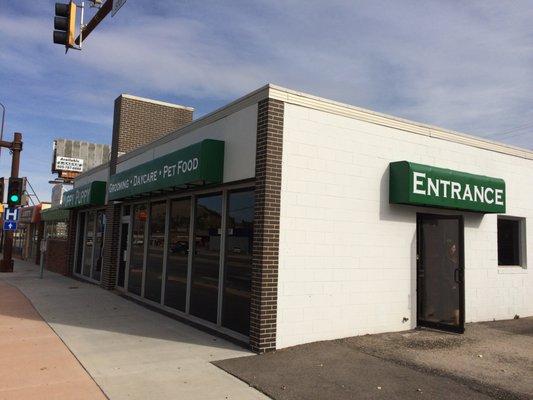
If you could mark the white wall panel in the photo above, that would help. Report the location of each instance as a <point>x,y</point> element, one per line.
<point>347,257</point>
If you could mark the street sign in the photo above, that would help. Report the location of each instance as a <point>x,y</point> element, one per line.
<point>116,6</point>
<point>10,225</point>
<point>11,214</point>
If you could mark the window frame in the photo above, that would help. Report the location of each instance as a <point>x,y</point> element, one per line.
<point>522,245</point>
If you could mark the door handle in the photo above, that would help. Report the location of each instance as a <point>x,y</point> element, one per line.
<point>457,275</point>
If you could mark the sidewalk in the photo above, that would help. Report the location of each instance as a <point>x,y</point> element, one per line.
<point>130,351</point>
<point>35,363</point>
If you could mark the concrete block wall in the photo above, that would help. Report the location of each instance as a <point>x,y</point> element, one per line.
<point>347,263</point>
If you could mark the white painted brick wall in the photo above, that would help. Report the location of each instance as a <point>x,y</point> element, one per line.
<point>347,257</point>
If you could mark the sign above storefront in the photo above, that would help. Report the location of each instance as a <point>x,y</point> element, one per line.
<point>26,214</point>
<point>92,194</point>
<point>55,214</point>
<point>424,185</point>
<point>200,163</point>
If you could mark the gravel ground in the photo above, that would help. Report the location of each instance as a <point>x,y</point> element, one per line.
<point>496,356</point>
<point>491,360</point>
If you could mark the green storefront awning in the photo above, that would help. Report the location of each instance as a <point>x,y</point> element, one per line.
<point>424,185</point>
<point>200,163</point>
<point>91,194</point>
<point>55,214</point>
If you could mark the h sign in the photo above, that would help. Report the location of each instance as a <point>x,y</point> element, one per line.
<point>11,214</point>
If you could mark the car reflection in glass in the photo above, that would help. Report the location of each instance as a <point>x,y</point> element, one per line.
<point>180,247</point>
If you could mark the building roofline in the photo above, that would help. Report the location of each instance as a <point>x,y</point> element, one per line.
<point>219,113</point>
<point>322,104</point>
<point>334,107</point>
<point>161,103</point>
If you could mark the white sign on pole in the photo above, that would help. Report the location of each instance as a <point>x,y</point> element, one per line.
<point>69,164</point>
<point>11,214</point>
<point>116,6</point>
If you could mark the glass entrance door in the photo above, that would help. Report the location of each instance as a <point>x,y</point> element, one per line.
<point>440,272</point>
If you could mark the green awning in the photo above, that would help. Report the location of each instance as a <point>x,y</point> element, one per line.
<point>424,185</point>
<point>91,194</point>
<point>198,164</point>
<point>55,214</point>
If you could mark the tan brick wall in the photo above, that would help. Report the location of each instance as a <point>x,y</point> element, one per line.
<point>266,225</point>
<point>137,122</point>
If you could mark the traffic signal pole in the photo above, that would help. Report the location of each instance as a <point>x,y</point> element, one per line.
<point>6,265</point>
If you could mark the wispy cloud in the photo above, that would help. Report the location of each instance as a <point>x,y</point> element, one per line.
<point>464,66</point>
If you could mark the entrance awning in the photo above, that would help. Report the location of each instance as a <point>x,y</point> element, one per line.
<point>92,194</point>
<point>199,164</point>
<point>425,185</point>
<point>55,214</point>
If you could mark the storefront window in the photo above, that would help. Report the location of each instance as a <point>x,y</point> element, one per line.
<point>156,243</point>
<point>137,249</point>
<point>205,266</point>
<point>81,240</point>
<point>238,261</point>
<point>89,245</point>
<point>99,245</point>
<point>178,254</point>
<point>511,243</point>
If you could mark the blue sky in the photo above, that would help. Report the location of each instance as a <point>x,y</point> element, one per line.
<point>466,66</point>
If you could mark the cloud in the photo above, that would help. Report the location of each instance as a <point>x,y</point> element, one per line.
<point>463,66</point>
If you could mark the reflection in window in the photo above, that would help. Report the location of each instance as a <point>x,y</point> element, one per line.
<point>137,249</point>
<point>99,245</point>
<point>205,266</point>
<point>238,262</point>
<point>178,254</point>
<point>81,241</point>
<point>156,243</point>
<point>89,244</point>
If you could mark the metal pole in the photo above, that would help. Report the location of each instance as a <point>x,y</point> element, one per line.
<point>16,148</point>
<point>81,24</point>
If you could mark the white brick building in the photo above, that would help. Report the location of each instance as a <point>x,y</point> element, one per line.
<point>336,251</point>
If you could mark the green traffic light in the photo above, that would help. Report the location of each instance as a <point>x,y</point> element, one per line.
<point>14,198</point>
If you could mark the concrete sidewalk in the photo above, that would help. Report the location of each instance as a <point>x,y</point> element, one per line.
<point>130,351</point>
<point>35,363</point>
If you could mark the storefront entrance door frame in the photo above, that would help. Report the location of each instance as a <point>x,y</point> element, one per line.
<point>458,277</point>
<point>123,254</point>
<point>80,241</point>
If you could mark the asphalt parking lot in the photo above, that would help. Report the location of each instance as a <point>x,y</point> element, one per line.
<point>491,360</point>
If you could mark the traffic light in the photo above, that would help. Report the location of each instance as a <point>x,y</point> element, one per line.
<point>65,24</point>
<point>15,191</point>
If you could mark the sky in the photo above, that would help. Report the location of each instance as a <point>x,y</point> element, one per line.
<point>465,66</point>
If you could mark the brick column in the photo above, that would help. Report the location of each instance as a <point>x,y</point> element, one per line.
<point>71,241</point>
<point>264,297</point>
<point>109,267</point>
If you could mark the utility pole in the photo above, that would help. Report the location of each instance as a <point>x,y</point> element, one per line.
<point>15,147</point>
